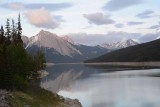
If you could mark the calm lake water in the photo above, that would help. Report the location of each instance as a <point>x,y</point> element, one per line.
<point>105,86</point>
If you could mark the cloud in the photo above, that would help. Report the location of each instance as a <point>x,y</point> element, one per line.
<point>48,6</point>
<point>114,5</point>
<point>132,23</point>
<point>87,27</point>
<point>154,27</point>
<point>97,39</point>
<point>149,37</point>
<point>41,18</point>
<point>98,19</point>
<point>145,14</point>
<point>119,25</point>
<point>14,6</point>
<point>110,37</point>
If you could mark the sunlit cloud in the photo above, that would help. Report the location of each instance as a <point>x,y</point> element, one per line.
<point>41,18</point>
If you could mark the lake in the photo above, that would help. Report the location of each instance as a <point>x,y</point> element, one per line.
<point>109,86</point>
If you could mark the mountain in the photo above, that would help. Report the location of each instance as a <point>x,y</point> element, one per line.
<point>25,40</point>
<point>121,44</point>
<point>89,52</point>
<point>67,38</point>
<point>61,50</point>
<point>47,40</point>
<point>149,51</point>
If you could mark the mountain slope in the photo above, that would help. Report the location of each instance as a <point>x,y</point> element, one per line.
<point>121,44</point>
<point>60,50</point>
<point>89,52</point>
<point>67,38</point>
<point>49,40</point>
<point>25,40</point>
<point>144,52</point>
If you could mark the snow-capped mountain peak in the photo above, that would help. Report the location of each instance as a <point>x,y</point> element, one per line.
<point>49,40</point>
<point>121,44</point>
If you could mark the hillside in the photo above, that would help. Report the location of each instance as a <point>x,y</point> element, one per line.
<point>149,51</point>
<point>61,50</point>
<point>65,50</point>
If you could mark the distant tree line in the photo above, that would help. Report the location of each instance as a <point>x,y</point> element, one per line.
<point>17,67</point>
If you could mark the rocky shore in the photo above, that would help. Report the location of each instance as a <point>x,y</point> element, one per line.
<point>62,102</point>
<point>67,102</point>
<point>3,95</point>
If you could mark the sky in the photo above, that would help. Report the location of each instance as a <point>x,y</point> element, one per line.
<point>85,18</point>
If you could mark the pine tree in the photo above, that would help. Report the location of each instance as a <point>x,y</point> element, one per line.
<point>7,33</point>
<point>19,30</point>
<point>13,32</point>
<point>5,74</point>
<point>17,67</point>
<point>2,37</point>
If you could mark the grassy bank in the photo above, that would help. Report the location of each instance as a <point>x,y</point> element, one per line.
<point>34,97</point>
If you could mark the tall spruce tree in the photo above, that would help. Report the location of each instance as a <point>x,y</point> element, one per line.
<point>7,33</point>
<point>19,30</point>
<point>13,32</point>
<point>2,37</point>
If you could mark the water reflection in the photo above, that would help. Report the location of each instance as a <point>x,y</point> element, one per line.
<point>65,79</point>
<point>132,88</point>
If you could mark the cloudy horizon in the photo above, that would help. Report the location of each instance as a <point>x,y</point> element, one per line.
<point>113,19</point>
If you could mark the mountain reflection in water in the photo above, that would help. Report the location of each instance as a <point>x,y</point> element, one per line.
<point>131,88</point>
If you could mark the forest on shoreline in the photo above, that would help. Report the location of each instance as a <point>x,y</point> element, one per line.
<point>18,69</point>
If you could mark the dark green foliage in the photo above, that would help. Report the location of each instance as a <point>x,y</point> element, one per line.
<point>140,53</point>
<point>7,33</point>
<point>13,33</point>
<point>5,75</point>
<point>37,64</point>
<point>2,37</point>
<point>17,67</point>
<point>19,31</point>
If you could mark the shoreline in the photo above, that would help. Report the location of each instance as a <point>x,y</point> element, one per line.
<point>35,97</point>
<point>134,64</point>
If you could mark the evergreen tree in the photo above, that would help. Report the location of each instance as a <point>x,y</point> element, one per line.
<point>17,67</point>
<point>5,74</point>
<point>13,32</point>
<point>19,30</point>
<point>7,33</point>
<point>2,37</point>
<point>38,63</point>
